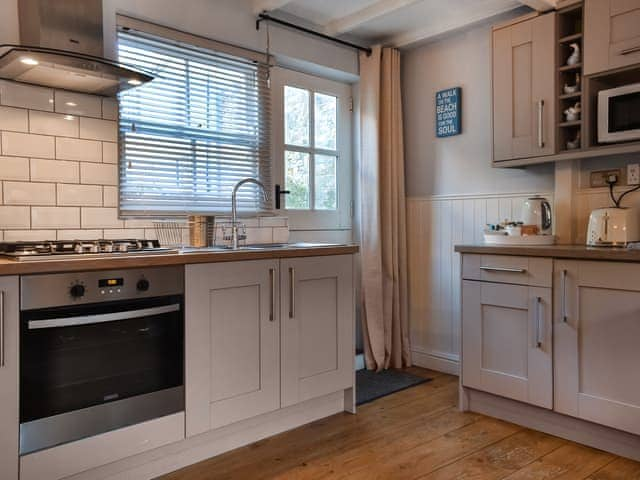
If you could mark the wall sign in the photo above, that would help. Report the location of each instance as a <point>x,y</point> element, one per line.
<point>448,112</point>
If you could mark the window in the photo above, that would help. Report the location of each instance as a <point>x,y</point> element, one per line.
<point>198,128</point>
<point>313,127</point>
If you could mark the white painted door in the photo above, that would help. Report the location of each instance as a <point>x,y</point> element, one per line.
<point>232,339</point>
<point>317,325</point>
<point>524,89</point>
<point>9,417</point>
<point>596,337</point>
<point>506,341</point>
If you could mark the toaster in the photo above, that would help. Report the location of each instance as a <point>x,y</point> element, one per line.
<point>613,227</point>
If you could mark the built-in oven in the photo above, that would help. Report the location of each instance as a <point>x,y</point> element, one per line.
<point>619,114</point>
<point>99,351</point>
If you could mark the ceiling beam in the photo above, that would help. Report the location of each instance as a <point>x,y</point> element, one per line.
<point>260,6</point>
<point>540,5</point>
<point>420,35</point>
<point>367,14</point>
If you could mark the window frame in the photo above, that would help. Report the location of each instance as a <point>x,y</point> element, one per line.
<point>308,219</point>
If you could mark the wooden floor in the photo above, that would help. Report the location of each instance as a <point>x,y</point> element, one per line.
<point>415,433</point>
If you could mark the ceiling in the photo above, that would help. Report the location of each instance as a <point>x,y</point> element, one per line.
<point>401,23</point>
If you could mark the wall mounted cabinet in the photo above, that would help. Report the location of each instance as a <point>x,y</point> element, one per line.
<point>524,89</point>
<point>612,34</point>
<point>9,418</point>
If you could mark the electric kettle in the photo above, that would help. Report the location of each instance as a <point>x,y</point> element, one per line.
<point>537,211</point>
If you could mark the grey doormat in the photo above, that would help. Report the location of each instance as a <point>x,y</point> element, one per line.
<point>371,385</point>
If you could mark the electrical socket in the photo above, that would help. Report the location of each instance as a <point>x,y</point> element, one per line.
<point>600,177</point>
<point>633,174</point>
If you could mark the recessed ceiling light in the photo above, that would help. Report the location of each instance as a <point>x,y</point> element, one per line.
<point>134,81</point>
<point>68,117</point>
<point>29,61</point>
<point>71,104</point>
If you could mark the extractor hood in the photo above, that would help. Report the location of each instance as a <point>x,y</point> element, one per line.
<point>61,46</point>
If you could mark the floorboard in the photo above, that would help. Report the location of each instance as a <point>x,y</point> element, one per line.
<point>417,433</point>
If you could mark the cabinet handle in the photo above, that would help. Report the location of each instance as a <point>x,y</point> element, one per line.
<point>292,293</point>
<point>630,50</point>
<point>538,329</point>
<point>503,269</point>
<point>272,300</point>
<point>564,296</point>
<point>1,329</point>
<point>540,123</point>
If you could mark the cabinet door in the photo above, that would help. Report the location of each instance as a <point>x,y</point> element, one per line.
<point>612,35</point>
<point>506,341</point>
<point>317,327</point>
<point>596,332</point>
<point>524,89</point>
<point>232,342</point>
<point>9,419</point>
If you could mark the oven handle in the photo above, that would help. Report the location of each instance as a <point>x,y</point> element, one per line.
<point>101,318</point>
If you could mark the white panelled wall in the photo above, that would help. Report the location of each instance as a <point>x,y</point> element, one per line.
<point>434,226</point>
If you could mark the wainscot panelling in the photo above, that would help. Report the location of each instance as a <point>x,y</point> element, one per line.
<point>434,226</point>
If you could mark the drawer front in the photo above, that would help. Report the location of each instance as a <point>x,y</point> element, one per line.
<point>508,269</point>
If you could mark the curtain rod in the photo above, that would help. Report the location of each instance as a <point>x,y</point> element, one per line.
<point>268,18</point>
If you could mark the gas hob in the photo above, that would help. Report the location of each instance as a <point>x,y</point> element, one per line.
<point>63,249</point>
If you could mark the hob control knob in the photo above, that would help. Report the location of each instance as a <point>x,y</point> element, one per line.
<point>143,285</point>
<point>77,290</point>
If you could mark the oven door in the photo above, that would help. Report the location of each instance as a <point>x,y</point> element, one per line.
<point>619,114</point>
<point>93,368</point>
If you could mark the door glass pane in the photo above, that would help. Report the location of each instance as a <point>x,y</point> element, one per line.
<point>325,121</point>
<point>296,166</point>
<point>325,182</point>
<point>296,116</point>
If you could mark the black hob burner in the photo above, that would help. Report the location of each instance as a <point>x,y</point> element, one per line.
<point>49,249</point>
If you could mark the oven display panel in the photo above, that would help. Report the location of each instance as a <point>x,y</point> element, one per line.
<point>110,282</point>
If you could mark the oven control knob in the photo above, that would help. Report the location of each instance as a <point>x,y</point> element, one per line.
<point>77,290</point>
<point>143,285</point>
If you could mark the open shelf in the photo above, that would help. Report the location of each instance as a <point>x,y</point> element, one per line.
<point>568,96</point>
<point>569,68</point>
<point>573,123</point>
<point>571,38</point>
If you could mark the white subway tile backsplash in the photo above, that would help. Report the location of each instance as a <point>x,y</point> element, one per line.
<point>110,196</point>
<point>14,217</point>
<point>98,173</point>
<point>14,168</point>
<point>55,217</point>
<point>78,104</point>
<point>47,123</point>
<point>109,152</point>
<point>138,223</point>
<point>101,218</point>
<point>280,235</point>
<point>29,235</point>
<point>109,109</point>
<point>14,119</point>
<point>27,193</point>
<point>27,145</point>
<point>20,95</point>
<point>79,195</point>
<point>78,149</point>
<point>259,235</point>
<point>95,129</point>
<point>123,233</point>
<point>273,221</point>
<point>78,234</point>
<point>54,171</point>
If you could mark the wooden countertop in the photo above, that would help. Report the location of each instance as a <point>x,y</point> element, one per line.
<point>12,267</point>
<point>577,252</point>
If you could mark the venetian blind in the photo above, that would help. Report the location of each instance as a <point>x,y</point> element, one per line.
<point>189,135</point>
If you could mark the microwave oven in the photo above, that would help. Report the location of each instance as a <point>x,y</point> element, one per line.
<point>619,114</point>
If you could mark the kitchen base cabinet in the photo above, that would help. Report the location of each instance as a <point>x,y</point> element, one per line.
<point>506,341</point>
<point>317,327</point>
<point>9,417</point>
<point>232,340</point>
<point>596,333</point>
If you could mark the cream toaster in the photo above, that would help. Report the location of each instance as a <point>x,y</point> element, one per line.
<point>613,227</point>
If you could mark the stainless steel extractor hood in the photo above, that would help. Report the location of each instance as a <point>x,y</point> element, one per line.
<point>61,46</point>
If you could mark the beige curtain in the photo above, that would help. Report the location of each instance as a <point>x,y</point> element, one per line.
<point>382,213</point>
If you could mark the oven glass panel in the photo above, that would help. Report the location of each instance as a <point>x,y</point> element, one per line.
<point>624,112</point>
<point>68,368</point>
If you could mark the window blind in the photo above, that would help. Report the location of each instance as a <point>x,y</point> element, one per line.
<point>189,135</point>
